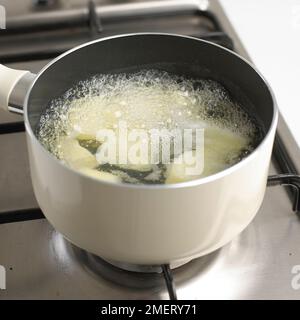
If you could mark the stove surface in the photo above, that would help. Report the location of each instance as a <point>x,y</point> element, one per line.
<point>41,264</point>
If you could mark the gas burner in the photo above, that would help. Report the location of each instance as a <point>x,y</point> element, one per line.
<point>140,277</point>
<point>145,277</point>
<point>145,268</point>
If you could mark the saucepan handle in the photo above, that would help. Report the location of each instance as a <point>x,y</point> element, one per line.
<point>8,80</point>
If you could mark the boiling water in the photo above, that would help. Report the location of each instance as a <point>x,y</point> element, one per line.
<point>146,100</point>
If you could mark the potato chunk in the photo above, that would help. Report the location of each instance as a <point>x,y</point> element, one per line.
<point>76,156</point>
<point>105,176</point>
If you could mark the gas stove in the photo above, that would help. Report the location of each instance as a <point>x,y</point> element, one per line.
<point>261,263</point>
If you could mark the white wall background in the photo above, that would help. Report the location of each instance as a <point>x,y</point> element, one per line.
<point>270,31</point>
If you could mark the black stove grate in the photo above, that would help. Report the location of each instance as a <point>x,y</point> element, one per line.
<point>292,181</point>
<point>169,281</point>
<point>93,22</point>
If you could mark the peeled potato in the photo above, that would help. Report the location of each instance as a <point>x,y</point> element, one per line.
<point>223,140</point>
<point>177,172</point>
<point>218,145</point>
<point>105,176</point>
<point>87,116</point>
<point>137,167</point>
<point>82,118</point>
<point>76,156</point>
<point>82,136</point>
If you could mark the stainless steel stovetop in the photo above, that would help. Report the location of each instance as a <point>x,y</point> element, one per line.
<point>41,264</point>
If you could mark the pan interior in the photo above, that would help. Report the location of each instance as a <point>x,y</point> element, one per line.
<point>188,57</point>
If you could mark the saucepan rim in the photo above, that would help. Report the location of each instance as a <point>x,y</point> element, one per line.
<point>186,184</point>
